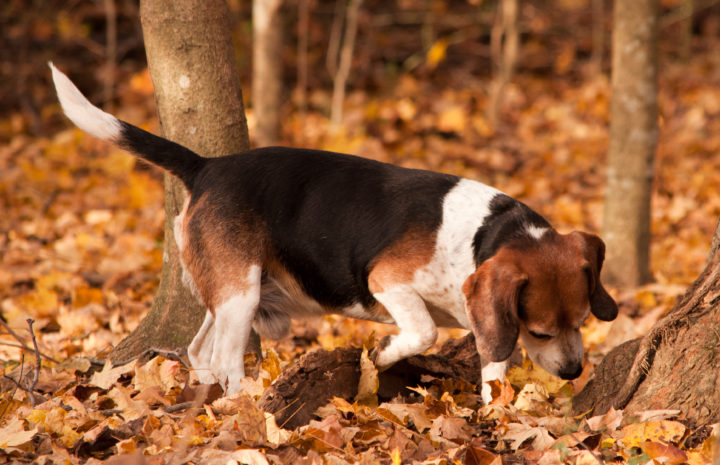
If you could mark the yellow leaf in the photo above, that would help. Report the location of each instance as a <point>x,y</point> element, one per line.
<point>369,383</point>
<point>529,373</point>
<point>646,299</point>
<point>395,456</point>
<point>453,119</point>
<point>127,446</point>
<point>271,364</point>
<point>437,53</point>
<point>666,431</point>
<point>37,416</point>
<point>85,295</point>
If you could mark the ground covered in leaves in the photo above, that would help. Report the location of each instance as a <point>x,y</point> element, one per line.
<point>81,252</point>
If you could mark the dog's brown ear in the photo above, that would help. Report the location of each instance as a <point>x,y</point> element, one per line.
<point>601,304</point>
<point>491,294</point>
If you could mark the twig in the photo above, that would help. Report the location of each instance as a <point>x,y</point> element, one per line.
<point>180,406</point>
<point>38,363</point>
<point>22,344</point>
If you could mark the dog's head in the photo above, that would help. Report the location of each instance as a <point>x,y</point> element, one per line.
<point>541,290</point>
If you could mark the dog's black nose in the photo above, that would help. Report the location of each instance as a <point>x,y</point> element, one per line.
<point>571,372</point>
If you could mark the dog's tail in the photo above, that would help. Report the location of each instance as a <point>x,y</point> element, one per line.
<point>180,161</point>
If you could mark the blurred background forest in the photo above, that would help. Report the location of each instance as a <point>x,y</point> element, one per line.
<point>82,222</point>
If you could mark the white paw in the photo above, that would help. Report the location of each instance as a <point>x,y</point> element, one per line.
<point>486,393</point>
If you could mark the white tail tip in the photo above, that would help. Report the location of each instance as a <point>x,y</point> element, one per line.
<point>84,114</point>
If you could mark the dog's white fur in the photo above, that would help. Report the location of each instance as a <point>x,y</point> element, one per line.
<point>84,114</point>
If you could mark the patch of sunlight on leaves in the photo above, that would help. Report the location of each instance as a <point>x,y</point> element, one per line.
<point>528,372</point>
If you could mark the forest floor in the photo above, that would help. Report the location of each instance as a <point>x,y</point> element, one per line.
<point>81,253</point>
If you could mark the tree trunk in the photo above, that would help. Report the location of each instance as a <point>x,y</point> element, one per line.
<point>675,366</point>
<point>504,46</point>
<point>267,76</point>
<point>197,89</point>
<point>633,138</point>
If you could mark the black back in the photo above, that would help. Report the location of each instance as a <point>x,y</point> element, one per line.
<point>328,214</point>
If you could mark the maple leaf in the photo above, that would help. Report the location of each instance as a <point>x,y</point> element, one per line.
<point>518,433</point>
<point>108,376</point>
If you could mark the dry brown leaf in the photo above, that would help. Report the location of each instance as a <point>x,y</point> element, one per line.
<point>451,428</point>
<point>108,376</point>
<point>14,434</point>
<point>369,382</point>
<point>417,413</point>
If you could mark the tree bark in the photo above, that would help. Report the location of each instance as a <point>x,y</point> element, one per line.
<point>267,77</point>
<point>633,139</point>
<point>197,90</point>
<point>675,366</point>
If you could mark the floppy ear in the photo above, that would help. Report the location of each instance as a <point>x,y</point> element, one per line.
<point>601,304</point>
<point>491,296</point>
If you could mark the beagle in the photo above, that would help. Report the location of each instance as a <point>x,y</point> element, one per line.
<point>277,233</point>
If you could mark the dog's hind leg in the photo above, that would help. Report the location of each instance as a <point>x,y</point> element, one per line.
<point>201,348</point>
<point>233,323</point>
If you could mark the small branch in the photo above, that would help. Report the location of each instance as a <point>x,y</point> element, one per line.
<point>22,344</point>
<point>178,407</point>
<point>38,363</point>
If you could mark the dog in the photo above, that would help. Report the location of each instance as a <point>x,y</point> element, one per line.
<point>277,233</point>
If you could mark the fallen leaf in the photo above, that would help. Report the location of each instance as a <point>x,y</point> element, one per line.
<point>108,376</point>
<point>664,453</point>
<point>480,456</point>
<point>518,433</point>
<point>666,431</point>
<point>369,383</point>
<point>610,421</point>
<point>417,413</point>
<point>14,434</point>
<point>276,436</point>
<point>451,428</point>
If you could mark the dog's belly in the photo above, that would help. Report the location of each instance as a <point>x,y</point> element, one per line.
<point>282,299</point>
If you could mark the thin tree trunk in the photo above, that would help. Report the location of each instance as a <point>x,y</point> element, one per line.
<point>267,77</point>
<point>344,64</point>
<point>504,45</point>
<point>303,32</point>
<point>633,139</point>
<point>197,90</point>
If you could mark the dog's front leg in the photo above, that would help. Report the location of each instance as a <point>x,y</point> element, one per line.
<point>233,323</point>
<point>417,328</point>
<point>491,371</point>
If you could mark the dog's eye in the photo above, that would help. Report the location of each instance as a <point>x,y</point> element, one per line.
<point>542,337</point>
